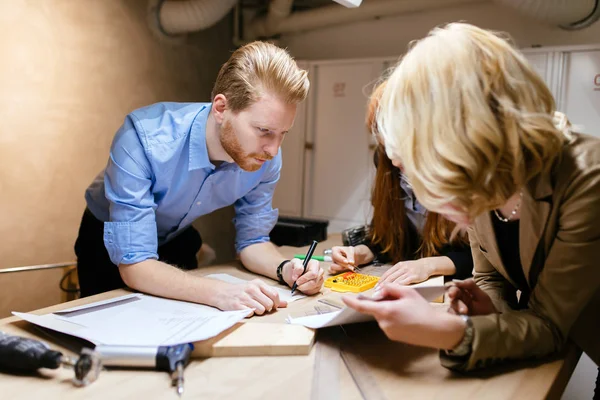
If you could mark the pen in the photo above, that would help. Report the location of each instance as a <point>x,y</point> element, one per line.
<point>318,258</point>
<point>309,254</point>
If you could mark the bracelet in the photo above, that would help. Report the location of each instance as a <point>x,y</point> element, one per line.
<point>279,274</point>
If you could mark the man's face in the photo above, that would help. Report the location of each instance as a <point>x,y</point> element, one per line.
<point>254,135</point>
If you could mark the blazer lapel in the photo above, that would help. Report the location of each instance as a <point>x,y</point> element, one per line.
<point>483,225</point>
<point>534,216</point>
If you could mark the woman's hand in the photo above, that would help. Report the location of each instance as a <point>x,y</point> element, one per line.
<point>405,316</point>
<point>407,272</point>
<point>467,298</point>
<point>346,258</point>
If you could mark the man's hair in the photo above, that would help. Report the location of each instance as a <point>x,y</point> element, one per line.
<point>469,119</point>
<point>258,68</point>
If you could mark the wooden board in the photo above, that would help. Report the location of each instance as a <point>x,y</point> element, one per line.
<point>433,281</point>
<point>253,337</point>
<point>262,339</point>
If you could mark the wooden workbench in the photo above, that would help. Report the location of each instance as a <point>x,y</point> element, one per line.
<point>401,371</point>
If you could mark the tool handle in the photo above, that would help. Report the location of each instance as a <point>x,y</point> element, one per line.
<point>18,354</point>
<point>127,356</point>
<point>168,357</point>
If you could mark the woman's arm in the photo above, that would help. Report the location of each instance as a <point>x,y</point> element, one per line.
<point>462,261</point>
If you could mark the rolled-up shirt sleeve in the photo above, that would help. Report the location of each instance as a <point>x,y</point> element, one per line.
<point>254,213</point>
<point>130,235</point>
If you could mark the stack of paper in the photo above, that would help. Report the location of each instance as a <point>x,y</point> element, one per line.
<point>139,320</point>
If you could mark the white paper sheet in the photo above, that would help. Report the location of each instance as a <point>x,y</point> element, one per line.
<point>139,320</point>
<point>350,316</point>
<point>284,294</point>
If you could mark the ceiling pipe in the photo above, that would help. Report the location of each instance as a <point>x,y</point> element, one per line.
<point>334,15</point>
<point>267,25</point>
<point>568,14</point>
<point>173,18</point>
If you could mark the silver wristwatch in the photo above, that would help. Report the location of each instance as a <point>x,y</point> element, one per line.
<point>465,346</point>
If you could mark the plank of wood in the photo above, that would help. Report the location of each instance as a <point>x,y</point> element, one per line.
<point>433,281</point>
<point>263,339</point>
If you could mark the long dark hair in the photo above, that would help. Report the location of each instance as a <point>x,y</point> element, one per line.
<point>390,224</point>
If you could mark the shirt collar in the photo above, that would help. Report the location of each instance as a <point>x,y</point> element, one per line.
<point>410,199</point>
<point>198,150</point>
<point>405,185</point>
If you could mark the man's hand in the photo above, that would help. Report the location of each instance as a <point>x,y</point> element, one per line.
<point>467,298</point>
<point>309,283</point>
<point>346,258</point>
<point>255,295</point>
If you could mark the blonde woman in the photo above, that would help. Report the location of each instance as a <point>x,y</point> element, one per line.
<point>171,163</point>
<point>476,132</point>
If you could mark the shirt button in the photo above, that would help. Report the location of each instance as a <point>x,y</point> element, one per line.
<point>198,203</point>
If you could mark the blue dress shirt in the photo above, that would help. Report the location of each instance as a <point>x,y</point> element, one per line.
<point>159,180</point>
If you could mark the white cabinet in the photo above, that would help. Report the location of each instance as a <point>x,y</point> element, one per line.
<point>288,193</point>
<point>541,63</point>
<point>582,90</point>
<point>550,65</point>
<point>328,156</point>
<point>573,75</point>
<point>339,161</point>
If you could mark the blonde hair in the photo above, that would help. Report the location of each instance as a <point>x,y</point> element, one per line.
<point>469,119</point>
<point>256,68</point>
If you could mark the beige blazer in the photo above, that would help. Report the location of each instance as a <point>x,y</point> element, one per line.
<point>559,242</point>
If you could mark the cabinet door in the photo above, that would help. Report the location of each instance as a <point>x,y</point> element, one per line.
<point>582,91</point>
<point>288,193</point>
<point>339,166</point>
<point>549,65</point>
<point>541,63</point>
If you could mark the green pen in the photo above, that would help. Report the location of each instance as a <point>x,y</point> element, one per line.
<point>318,258</point>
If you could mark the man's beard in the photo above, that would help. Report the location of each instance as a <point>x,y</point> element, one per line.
<point>232,146</point>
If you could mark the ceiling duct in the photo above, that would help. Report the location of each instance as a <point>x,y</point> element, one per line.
<point>175,18</point>
<point>568,14</point>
